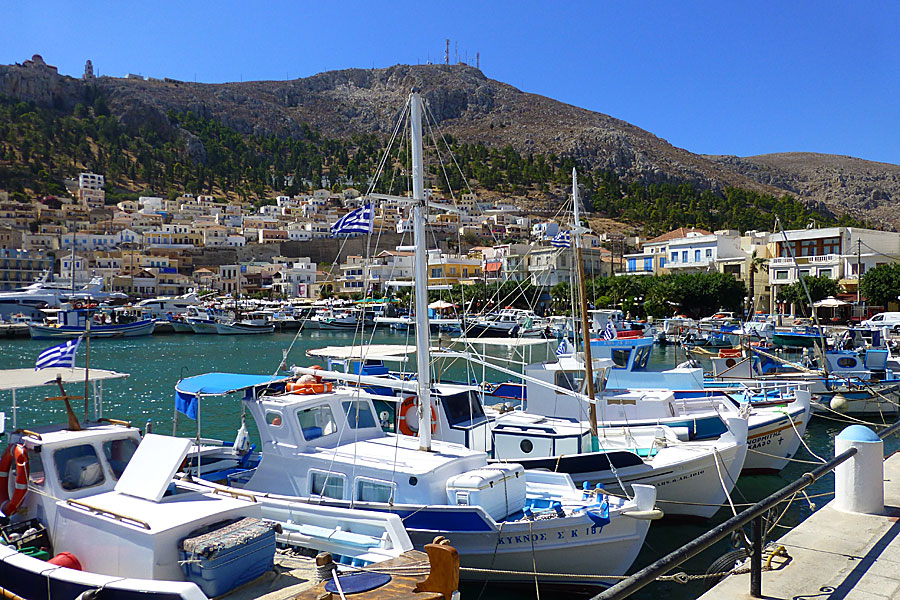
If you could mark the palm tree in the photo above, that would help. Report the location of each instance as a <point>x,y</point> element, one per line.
<point>756,263</point>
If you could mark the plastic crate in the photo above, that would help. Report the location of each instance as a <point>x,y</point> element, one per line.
<point>31,533</point>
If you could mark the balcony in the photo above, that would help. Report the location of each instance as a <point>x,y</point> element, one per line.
<point>825,259</point>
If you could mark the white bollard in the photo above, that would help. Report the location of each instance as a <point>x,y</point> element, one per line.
<point>859,481</point>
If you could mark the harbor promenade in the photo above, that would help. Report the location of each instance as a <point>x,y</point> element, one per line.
<point>834,555</point>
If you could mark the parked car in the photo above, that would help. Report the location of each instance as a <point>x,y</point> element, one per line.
<point>891,320</point>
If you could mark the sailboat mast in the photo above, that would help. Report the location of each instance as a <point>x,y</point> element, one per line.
<point>423,341</point>
<point>582,295</point>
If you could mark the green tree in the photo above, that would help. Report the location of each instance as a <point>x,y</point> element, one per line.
<point>881,284</point>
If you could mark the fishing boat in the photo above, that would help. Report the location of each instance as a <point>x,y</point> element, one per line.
<point>245,327</point>
<point>508,322</point>
<point>325,443</point>
<point>71,321</point>
<point>201,320</point>
<point>98,507</point>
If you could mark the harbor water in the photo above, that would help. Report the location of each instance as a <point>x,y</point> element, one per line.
<point>156,363</point>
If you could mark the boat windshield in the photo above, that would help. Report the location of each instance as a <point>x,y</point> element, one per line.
<point>463,408</point>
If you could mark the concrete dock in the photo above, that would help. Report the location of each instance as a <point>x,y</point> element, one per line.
<point>835,555</point>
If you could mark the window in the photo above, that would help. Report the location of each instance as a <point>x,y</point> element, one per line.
<point>328,485</point>
<point>273,418</point>
<point>373,490</point>
<point>316,422</point>
<point>118,454</point>
<point>684,256</point>
<point>662,262</point>
<point>358,414</point>
<point>674,257</point>
<point>570,380</point>
<point>848,362</point>
<point>648,264</point>
<point>781,275</point>
<point>632,264</point>
<point>78,467</point>
<point>709,253</point>
<point>824,272</point>
<point>35,468</point>
<point>463,407</point>
<point>696,256</point>
<point>620,357</point>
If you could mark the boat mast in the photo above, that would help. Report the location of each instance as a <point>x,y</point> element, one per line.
<point>423,341</point>
<point>585,330</point>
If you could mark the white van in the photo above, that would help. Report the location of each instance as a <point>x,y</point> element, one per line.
<point>891,320</point>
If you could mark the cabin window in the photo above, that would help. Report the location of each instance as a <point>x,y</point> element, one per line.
<point>374,490</point>
<point>273,418</point>
<point>620,357</point>
<point>118,454</point>
<point>570,380</point>
<point>327,485</point>
<point>316,422</point>
<point>463,407</point>
<point>641,357</point>
<point>848,362</point>
<point>78,467</point>
<point>358,413</point>
<point>35,468</point>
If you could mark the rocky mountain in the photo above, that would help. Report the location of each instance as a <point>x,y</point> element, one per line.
<point>471,107</point>
<point>864,189</point>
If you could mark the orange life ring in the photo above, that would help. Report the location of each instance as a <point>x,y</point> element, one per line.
<point>9,505</point>
<point>403,423</point>
<point>297,387</point>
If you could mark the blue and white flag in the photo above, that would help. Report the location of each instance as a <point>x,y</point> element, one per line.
<point>563,239</point>
<point>610,332</point>
<point>356,221</point>
<point>58,356</point>
<point>563,348</point>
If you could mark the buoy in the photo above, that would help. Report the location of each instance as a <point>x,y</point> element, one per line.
<point>838,402</point>
<point>67,560</point>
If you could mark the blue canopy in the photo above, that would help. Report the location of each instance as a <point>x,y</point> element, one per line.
<point>188,391</point>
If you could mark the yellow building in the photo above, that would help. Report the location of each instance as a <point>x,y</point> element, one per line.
<point>451,269</point>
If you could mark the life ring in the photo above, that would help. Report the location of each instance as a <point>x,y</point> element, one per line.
<point>300,387</point>
<point>403,422</point>
<point>9,505</point>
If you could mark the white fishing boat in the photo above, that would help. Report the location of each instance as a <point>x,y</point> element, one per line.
<point>201,320</point>
<point>245,327</point>
<point>326,445</point>
<point>97,508</point>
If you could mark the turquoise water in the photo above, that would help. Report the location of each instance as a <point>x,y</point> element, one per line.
<point>156,364</point>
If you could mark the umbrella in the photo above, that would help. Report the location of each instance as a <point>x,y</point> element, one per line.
<point>441,304</point>
<point>830,302</point>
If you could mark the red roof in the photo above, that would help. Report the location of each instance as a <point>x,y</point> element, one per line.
<point>677,234</point>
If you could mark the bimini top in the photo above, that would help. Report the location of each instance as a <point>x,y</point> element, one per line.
<point>219,384</point>
<point>17,379</point>
<point>188,391</point>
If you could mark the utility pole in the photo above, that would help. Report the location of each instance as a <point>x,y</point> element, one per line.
<point>858,269</point>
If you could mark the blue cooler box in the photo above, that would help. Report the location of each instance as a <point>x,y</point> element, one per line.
<point>224,558</point>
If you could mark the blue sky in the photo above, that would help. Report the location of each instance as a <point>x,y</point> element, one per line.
<point>712,77</point>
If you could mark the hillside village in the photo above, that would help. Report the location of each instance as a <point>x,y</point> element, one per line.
<point>168,246</point>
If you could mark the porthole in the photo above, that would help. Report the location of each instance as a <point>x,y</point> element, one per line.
<point>526,445</point>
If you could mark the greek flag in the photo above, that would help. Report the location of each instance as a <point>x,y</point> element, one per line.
<point>58,356</point>
<point>357,221</point>
<point>563,347</point>
<point>562,240</point>
<point>610,332</point>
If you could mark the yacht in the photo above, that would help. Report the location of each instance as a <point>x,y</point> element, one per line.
<point>169,306</point>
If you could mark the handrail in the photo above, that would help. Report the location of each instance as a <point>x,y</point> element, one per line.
<point>754,513</point>
<point>109,513</point>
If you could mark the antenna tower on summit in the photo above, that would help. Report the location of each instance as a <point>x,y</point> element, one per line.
<point>478,60</point>
<point>447,52</point>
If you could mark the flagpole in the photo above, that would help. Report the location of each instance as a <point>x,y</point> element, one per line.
<point>87,363</point>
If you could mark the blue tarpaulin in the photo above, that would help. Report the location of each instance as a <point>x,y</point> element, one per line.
<point>188,391</point>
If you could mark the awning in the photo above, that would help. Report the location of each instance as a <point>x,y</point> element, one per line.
<point>441,304</point>
<point>18,379</point>
<point>397,352</point>
<point>829,302</point>
<point>188,391</point>
<point>493,266</point>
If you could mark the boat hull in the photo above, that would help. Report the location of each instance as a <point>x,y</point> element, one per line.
<point>45,332</point>
<point>203,327</point>
<point>243,329</point>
